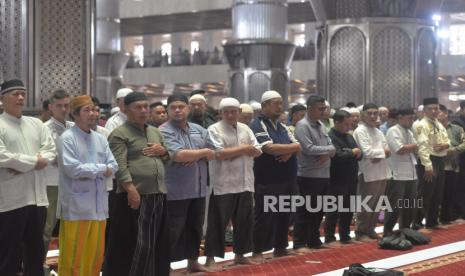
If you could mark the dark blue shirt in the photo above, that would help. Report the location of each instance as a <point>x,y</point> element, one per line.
<point>267,170</point>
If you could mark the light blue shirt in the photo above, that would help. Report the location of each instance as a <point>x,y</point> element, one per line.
<point>83,158</point>
<point>185,182</point>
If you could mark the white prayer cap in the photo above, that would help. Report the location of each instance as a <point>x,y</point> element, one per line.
<point>114,110</point>
<point>246,108</point>
<point>123,92</point>
<point>270,94</point>
<point>229,102</point>
<point>197,97</point>
<point>383,108</point>
<point>255,105</point>
<point>345,108</point>
<point>354,110</point>
<point>360,108</point>
<point>327,103</point>
<point>420,108</point>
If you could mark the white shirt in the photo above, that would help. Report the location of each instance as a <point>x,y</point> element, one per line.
<point>372,143</point>
<point>236,175</point>
<point>56,129</point>
<point>21,140</point>
<point>115,121</point>
<point>401,165</point>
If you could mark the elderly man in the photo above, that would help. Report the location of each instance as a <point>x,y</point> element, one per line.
<point>343,176</point>
<point>119,117</point>
<point>85,161</point>
<point>186,181</point>
<point>59,106</point>
<point>246,114</point>
<point>374,169</point>
<point>198,111</point>
<point>401,188</point>
<point>157,114</point>
<point>26,148</point>
<point>312,173</point>
<point>433,143</point>
<point>139,237</point>
<point>383,114</point>
<point>275,173</point>
<point>231,199</point>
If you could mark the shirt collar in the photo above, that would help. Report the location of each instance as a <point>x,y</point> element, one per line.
<point>82,133</point>
<point>55,121</point>
<point>131,124</point>
<point>312,123</point>
<point>11,118</point>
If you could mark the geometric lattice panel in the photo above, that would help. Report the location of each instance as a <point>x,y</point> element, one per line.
<point>352,8</point>
<point>347,67</point>
<point>426,65</point>
<point>11,40</point>
<point>62,54</point>
<point>392,68</point>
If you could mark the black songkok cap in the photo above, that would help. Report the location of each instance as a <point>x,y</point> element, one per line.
<point>12,85</point>
<point>134,97</point>
<point>177,97</point>
<point>405,111</point>
<point>369,106</point>
<point>428,101</point>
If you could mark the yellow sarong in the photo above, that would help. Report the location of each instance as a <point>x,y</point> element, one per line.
<point>81,245</point>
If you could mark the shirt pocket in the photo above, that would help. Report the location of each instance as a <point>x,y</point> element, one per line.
<point>101,157</point>
<point>82,186</point>
<point>82,203</point>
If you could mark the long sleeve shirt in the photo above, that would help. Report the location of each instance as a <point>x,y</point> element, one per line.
<point>429,133</point>
<point>372,143</point>
<point>401,165</point>
<point>344,165</point>
<point>115,121</point>
<point>146,173</point>
<point>21,140</point>
<point>185,182</point>
<point>56,129</point>
<point>457,141</point>
<point>234,175</point>
<point>315,142</point>
<point>83,159</point>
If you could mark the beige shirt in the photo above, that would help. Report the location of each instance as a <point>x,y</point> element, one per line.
<point>115,121</point>
<point>21,140</point>
<point>429,133</point>
<point>235,175</point>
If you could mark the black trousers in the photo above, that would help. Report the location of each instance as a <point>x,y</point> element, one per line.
<point>185,226</point>
<point>459,203</point>
<point>270,228</point>
<point>151,256</point>
<point>307,224</point>
<point>431,192</point>
<point>21,238</point>
<point>122,237</point>
<point>451,183</point>
<point>235,207</point>
<point>346,190</point>
<point>401,195</point>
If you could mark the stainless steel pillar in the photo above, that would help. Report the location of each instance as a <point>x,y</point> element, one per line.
<point>259,54</point>
<point>382,51</point>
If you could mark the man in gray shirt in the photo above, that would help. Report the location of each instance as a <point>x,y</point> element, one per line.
<point>186,181</point>
<point>312,173</point>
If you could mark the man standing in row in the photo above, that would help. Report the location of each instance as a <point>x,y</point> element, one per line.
<point>59,106</point>
<point>231,176</point>
<point>26,148</point>
<point>275,173</point>
<point>120,117</point>
<point>433,143</point>
<point>186,181</point>
<point>312,173</point>
<point>374,169</point>
<point>85,162</point>
<point>402,187</point>
<point>139,237</point>
<point>343,175</point>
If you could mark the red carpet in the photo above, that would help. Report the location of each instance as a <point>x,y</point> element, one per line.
<point>332,259</point>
